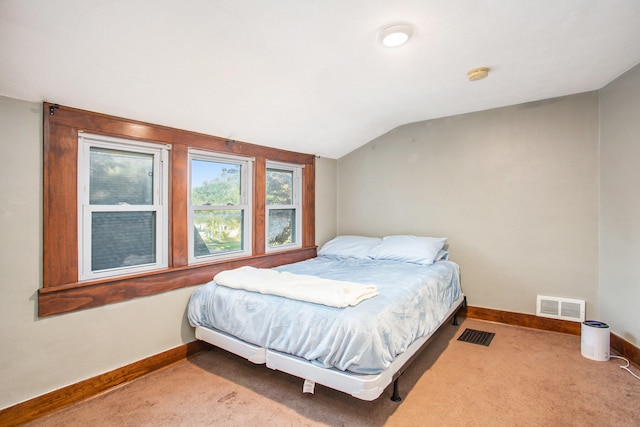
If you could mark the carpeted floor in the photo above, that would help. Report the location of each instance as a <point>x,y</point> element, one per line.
<point>525,377</point>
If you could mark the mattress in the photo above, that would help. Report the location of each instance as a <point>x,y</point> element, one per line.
<point>412,302</point>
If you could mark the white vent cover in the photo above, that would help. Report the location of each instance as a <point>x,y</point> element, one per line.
<point>560,308</point>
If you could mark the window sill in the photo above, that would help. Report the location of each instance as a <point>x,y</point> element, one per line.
<point>81,295</point>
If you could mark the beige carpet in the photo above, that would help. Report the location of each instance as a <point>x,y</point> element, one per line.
<point>525,377</point>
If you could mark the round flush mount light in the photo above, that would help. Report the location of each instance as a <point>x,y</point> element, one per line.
<point>395,35</point>
<point>477,73</point>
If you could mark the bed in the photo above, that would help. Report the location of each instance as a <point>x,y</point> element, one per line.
<point>359,349</point>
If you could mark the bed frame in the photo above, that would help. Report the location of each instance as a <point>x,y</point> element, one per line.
<point>364,387</point>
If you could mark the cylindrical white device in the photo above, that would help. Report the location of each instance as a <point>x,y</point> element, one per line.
<point>594,341</point>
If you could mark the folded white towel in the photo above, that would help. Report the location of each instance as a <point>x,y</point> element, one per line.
<point>334,293</point>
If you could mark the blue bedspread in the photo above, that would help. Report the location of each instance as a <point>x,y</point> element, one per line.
<point>412,301</point>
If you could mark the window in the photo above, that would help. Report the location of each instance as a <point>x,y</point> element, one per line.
<point>219,206</point>
<point>122,212</point>
<point>123,217</point>
<point>283,205</point>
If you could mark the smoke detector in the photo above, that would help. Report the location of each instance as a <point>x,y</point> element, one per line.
<point>478,73</point>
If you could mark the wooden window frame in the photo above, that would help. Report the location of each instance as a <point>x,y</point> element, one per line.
<point>62,292</point>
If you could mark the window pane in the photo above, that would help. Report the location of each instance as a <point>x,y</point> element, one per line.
<point>214,183</point>
<point>279,187</point>
<point>121,239</point>
<point>282,226</point>
<point>217,231</point>
<point>118,177</point>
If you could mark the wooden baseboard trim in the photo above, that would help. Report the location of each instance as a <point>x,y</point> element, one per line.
<point>618,344</point>
<point>74,393</point>
<point>625,349</point>
<point>525,320</point>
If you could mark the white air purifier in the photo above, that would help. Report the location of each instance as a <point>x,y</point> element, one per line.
<point>594,341</point>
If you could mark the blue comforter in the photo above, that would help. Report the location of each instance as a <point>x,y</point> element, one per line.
<point>412,301</point>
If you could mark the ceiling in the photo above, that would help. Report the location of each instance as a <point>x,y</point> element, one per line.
<point>308,75</point>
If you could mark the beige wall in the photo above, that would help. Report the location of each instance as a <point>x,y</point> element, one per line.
<point>620,205</point>
<point>326,182</point>
<point>514,189</point>
<point>41,355</point>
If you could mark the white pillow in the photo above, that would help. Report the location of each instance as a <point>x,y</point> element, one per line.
<point>442,256</point>
<point>350,246</point>
<point>415,249</point>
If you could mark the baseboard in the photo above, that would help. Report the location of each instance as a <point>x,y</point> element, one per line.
<point>625,349</point>
<point>525,320</point>
<point>618,344</point>
<point>74,393</point>
<point>58,399</point>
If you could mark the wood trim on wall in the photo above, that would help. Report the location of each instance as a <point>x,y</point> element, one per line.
<point>62,291</point>
<point>63,299</point>
<point>618,344</point>
<point>179,184</point>
<point>309,204</point>
<point>74,393</point>
<point>521,319</point>
<point>259,205</point>
<point>625,349</point>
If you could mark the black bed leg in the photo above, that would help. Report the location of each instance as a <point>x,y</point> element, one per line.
<point>396,396</point>
<point>455,315</point>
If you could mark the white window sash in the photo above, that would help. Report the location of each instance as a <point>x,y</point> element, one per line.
<point>220,208</point>
<point>85,210</point>
<point>160,261</point>
<point>245,206</point>
<point>296,206</point>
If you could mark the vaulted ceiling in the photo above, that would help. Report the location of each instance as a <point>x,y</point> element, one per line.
<point>308,75</point>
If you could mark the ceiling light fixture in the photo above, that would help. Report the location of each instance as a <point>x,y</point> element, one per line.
<point>478,73</point>
<point>395,35</point>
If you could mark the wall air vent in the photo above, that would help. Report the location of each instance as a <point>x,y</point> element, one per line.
<point>560,308</point>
